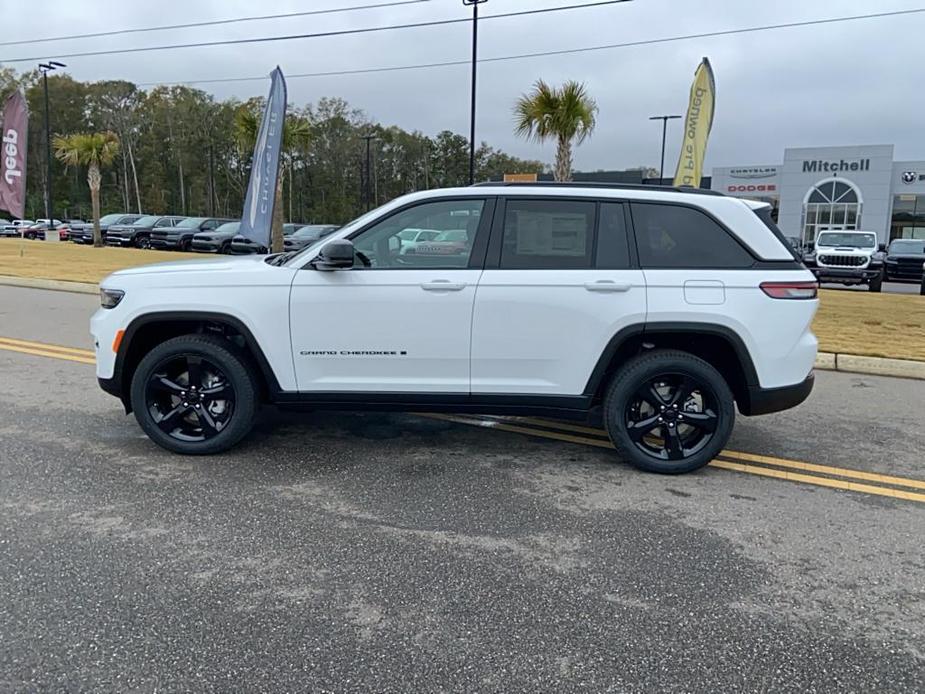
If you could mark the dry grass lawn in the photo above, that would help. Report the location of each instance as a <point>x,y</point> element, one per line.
<point>849,322</point>
<point>76,263</point>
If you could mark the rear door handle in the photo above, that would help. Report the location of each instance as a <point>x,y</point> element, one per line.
<point>607,286</point>
<point>442,286</point>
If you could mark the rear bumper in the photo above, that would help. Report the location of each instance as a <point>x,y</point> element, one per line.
<point>766,400</point>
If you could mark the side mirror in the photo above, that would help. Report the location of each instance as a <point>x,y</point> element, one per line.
<point>336,255</point>
<point>394,244</point>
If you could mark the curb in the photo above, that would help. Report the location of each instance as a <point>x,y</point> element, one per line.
<point>54,285</point>
<point>874,366</point>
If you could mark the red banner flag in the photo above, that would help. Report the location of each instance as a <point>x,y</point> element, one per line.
<point>13,154</point>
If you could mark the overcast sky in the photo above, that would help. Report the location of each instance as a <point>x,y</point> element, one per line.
<point>849,83</point>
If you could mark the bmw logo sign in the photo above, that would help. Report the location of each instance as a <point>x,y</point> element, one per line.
<point>910,176</point>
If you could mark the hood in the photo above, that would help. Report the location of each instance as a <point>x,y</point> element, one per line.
<point>221,264</point>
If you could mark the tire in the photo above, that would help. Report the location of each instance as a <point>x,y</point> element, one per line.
<point>876,284</point>
<point>143,242</point>
<point>225,248</point>
<point>708,401</point>
<point>202,429</point>
<point>922,287</point>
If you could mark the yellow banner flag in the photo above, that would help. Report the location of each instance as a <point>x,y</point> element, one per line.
<point>697,127</point>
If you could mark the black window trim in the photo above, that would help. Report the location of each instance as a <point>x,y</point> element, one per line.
<point>755,259</point>
<point>479,247</point>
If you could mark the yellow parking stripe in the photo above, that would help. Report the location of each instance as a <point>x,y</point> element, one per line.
<point>498,423</point>
<point>818,481</point>
<point>825,469</point>
<point>46,347</point>
<point>749,457</point>
<point>45,353</point>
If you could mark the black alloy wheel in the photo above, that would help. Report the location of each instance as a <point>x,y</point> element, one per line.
<point>668,412</point>
<point>143,242</point>
<point>189,398</point>
<point>671,416</point>
<point>195,394</point>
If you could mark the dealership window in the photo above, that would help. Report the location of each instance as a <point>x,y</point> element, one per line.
<point>908,221</point>
<point>834,203</point>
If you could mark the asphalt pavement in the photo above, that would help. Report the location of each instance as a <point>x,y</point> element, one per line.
<point>373,552</point>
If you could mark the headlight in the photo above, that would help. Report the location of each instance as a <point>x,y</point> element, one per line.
<point>110,298</point>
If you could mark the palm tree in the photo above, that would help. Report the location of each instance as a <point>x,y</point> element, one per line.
<point>566,114</point>
<point>296,133</point>
<point>95,151</point>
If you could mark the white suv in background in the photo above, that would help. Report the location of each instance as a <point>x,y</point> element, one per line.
<point>658,310</point>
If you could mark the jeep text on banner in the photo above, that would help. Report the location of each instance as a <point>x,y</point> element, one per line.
<point>261,189</point>
<point>13,155</point>
<point>697,127</point>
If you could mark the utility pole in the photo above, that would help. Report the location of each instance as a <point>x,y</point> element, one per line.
<point>475,44</point>
<point>664,120</point>
<point>368,178</point>
<point>46,68</point>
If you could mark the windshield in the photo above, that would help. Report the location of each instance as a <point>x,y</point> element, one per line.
<point>105,219</point>
<point>907,246</point>
<point>148,221</point>
<point>229,228</point>
<point>191,223</point>
<point>848,239</point>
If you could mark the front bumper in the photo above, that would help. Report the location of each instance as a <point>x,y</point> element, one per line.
<point>903,272</point>
<point>846,275</point>
<point>119,241</point>
<point>766,400</point>
<point>206,246</point>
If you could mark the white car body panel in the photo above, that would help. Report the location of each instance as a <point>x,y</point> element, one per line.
<point>245,288</point>
<point>542,331</point>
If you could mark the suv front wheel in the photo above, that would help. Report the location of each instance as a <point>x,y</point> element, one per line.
<point>669,412</point>
<point>195,395</point>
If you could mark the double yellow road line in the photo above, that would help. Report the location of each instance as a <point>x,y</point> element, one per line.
<point>766,466</point>
<point>41,349</point>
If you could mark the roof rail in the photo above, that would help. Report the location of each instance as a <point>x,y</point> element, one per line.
<point>599,184</point>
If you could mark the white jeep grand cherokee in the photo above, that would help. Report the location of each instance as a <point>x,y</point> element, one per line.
<point>656,309</point>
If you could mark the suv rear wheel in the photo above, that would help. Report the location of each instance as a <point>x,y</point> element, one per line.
<point>668,412</point>
<point>195,395</point>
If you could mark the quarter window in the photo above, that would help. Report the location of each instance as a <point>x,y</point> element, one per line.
<point>547,234</point>
<point>451,227</point>
<point>671,236</point>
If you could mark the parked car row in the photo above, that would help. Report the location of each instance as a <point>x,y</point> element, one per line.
<point>166,232</point>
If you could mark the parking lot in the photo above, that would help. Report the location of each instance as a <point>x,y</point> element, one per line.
<point>345,551</point>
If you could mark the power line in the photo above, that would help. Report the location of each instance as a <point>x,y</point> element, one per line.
<point>567,51</point>
<point>323,34</point>
<point>214,22</point>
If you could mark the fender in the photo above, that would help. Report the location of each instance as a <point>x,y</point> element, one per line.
<point>631,338</point>
<point>117,382</point>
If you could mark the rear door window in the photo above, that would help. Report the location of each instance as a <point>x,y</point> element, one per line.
<point>548,234</point>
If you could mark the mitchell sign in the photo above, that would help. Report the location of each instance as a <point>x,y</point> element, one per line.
<point>820,165</point>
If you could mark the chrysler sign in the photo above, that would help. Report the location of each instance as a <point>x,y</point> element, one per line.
<point>753,172</point>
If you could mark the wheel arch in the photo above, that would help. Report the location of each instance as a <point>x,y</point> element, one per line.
<point>718,345</point>
<point>151,329</point>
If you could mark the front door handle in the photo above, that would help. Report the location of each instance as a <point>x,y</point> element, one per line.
<point>442,286</point>
<point>607,286</point>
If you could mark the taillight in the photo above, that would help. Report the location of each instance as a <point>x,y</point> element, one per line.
<point>791,290</point>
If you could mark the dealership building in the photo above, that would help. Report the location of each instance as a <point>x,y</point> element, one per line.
<point>845,188</point>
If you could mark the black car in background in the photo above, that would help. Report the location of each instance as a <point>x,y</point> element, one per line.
<point>307,235</point>
<point>82,232</point>
<point>138,234</point>
<point>180,236</point>
<point>244,246</point>
<point>904,259</point>
<point>218,240</point>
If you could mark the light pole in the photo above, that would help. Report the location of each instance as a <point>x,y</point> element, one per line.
<point>366,189</point>
<point>46,68</point>
<point>475,43</point>
<point>664,120</point>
